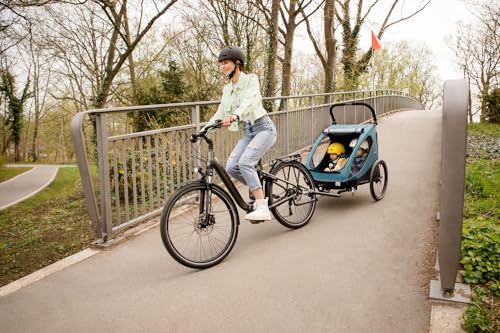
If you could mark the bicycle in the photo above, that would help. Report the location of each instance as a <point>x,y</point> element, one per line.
<point>199,222</point>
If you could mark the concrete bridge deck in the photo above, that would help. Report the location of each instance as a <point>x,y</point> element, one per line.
<point>358,266</point>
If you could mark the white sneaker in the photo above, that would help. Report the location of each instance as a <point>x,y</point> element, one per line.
<point>261,212</point>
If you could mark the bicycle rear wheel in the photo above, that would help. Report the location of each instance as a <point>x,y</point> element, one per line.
<point>194,236</point>
<point>291,190</point>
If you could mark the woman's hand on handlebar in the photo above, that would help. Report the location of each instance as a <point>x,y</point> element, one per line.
<point>229,119</point>
<point>194,137</point>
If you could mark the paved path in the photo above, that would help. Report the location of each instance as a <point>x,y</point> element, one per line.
<point>26,184</point>
<point>358,266</point>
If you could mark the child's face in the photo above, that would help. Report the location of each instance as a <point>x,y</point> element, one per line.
<point>333,156</point>
<point>360,152</point>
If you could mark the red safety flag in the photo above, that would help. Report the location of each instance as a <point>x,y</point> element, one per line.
<point>375,42</point>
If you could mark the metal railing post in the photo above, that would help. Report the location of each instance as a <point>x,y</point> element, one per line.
<point>104,186</point>
<point>78,138</point>
<point>195,119</point>
<point>312,120</point>
<point>287,120</point>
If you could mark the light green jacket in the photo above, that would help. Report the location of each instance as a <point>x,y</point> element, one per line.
<point>242,99</point>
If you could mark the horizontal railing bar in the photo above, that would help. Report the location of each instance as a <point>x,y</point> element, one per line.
<point>151,132</point>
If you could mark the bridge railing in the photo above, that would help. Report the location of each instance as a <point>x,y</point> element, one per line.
<point>138,171</point>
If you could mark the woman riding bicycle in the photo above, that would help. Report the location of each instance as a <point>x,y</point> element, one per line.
<point>241,103</point>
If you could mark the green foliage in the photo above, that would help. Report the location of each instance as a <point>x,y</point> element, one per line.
<point>482,180</point>
<point>7,173</point>
<point>167,88</point>
<point>493,106</point>
<point>483,314</point>
<point>136,160</point>
<point>481,235</point>
<point>481,227</point>
<point>481,251</point>
<point>401,66</point>
<point>15,108</point>
<point>492,130</point>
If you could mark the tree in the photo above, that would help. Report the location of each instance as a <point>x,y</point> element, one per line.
<point>288,11</point>
<point>13,13</point>
<point>40,76</point>
<point>493,106</point>
<point>478,51</point>
<point>169,87</point>
<point>289,15</point>
<point>220,23</point>
<point>15,108</point>
<point>272,17</point>
<point>400,66</point>
<point>351,28</point>
<point>116,13</point>
<point>328,60</point>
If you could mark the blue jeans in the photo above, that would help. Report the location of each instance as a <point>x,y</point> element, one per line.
<point>256,141</point>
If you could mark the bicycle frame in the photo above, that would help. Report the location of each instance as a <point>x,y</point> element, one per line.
<point>226,179</point>
<point>288,184</point>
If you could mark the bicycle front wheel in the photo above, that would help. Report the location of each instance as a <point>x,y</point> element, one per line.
<point>291,194</point>
<point>199,227</point>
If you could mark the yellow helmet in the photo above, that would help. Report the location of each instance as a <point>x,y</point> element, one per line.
<point>335,148</point>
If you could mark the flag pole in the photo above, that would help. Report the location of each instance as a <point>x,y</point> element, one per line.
<point>372,60</point>
<point>375,46</point>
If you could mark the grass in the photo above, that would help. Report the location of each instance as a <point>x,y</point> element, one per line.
<point>481,230</point>
<point>45,228</point>
<point>8,173</point>
<point>485,128</point>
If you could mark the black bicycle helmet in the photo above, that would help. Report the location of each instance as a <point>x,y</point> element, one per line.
<point>233,53</point>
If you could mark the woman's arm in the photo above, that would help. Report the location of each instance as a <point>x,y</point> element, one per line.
<point>219,114</point>
<point>250,99</point>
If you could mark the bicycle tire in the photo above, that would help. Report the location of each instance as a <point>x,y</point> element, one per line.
<point>293,181</point>
<point>378,180</point>
<point>193,238</point>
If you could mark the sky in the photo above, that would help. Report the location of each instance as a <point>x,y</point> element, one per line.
<point>437,22</point>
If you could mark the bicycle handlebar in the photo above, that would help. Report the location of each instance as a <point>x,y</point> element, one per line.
<point>194,137</point>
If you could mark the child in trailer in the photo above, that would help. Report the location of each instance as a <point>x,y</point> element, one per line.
<point>337,161</point>
<point>361,156</point>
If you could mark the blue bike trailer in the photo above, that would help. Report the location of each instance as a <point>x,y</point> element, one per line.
<point>352,137</point>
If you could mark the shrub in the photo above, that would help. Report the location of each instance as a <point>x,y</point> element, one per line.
<point>493,106</point>
<point>481,251</point>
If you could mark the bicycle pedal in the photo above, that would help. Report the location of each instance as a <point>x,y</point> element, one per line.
<point>256,222</point>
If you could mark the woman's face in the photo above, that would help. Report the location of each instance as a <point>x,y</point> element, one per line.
<point>227,66</point>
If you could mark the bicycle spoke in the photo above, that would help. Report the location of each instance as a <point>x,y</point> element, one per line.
<point>195,236</point>
<point>290,190</point>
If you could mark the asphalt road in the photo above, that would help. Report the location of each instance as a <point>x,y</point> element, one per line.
<point>26,184</point>
<point>358,266</point>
